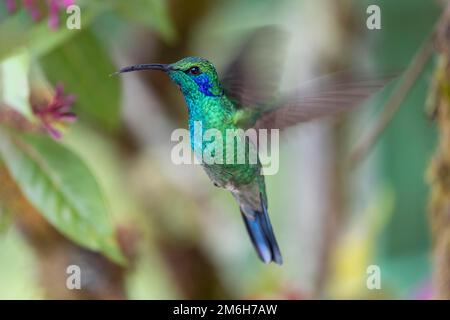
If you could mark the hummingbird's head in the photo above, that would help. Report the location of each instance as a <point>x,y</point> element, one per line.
<point>192,74</point>
<point>195,74</point>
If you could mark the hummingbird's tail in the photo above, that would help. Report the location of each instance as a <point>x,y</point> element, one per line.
<point>260,230</point>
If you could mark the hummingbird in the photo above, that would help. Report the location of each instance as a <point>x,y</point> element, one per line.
<point>247,97</point>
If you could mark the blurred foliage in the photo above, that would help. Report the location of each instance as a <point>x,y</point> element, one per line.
<point>19,30</point>
<point>406,147</point>
<point>54,180</point>
<point>15,88</point>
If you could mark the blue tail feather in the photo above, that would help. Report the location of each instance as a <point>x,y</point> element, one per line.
<point>261,233</point>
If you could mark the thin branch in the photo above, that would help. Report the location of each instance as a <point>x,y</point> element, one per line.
<point>395,101</point>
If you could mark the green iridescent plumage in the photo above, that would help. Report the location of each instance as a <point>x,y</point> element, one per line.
<point>212,108</point>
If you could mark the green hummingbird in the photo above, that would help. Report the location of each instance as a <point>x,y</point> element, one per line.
<point>247,98</point>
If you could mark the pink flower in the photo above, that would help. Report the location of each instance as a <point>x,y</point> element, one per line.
<point>57,112</point>
<point>53,8</point>
<point>10,5</point>
<point>33,8</point>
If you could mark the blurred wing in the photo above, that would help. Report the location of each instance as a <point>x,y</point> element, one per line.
<point>326,96</point>
<point>253,75</point>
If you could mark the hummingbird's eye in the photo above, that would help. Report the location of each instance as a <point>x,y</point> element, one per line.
<point>194,70</point>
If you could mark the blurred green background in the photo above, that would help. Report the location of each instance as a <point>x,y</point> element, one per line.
<point>185,238</point>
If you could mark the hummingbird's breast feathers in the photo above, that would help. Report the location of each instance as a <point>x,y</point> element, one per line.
<point>211,112</point>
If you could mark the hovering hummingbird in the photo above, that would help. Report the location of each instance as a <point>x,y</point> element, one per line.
<point>247,97</point>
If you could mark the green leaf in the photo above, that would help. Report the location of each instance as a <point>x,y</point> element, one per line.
<point>62,188</point>
<point>84,66</point>
<point>14,86</point>
<point>150,13</point>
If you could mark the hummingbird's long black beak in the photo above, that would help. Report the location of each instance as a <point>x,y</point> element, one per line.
<point>148,66</point>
